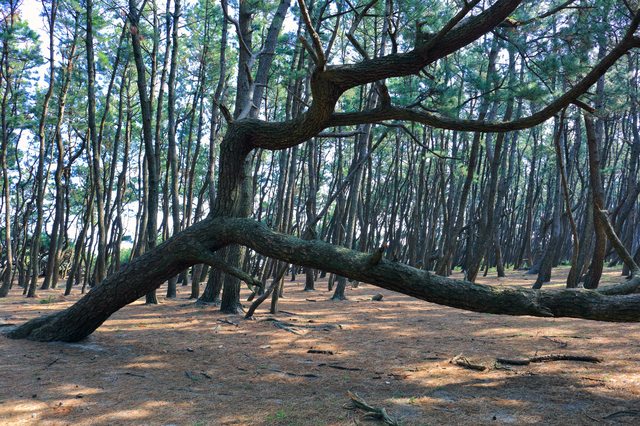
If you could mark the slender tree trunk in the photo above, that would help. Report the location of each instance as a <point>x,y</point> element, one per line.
<point>100,270</point>
<point>594,274</point>
<point>40,179</point>
<point>51,274</point>
<point>171,134</point>
<point>310,205</point>
<point>6,194</point>
<point>147,133</point>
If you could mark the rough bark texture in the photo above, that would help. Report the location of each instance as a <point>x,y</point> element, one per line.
<point>132,281</point>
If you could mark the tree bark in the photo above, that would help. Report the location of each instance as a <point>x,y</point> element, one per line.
<point>592,278</point>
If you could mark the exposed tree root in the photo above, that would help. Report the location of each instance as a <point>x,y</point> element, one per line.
<point>371,412</point>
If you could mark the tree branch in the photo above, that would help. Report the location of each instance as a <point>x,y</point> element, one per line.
<point>315,39</point>
<point>444,31</point>
<point>235,23</point>
<point>327,87</point>
<point>427,286</point>
<point>305,43</point>
<point>388,112</point>
<point>548,13</point>
<point>354,25</point>
<point>214,261</point>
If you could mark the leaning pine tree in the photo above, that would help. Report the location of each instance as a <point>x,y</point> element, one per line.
<point>228,222</point>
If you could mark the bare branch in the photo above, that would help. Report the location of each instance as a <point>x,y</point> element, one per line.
<point>267,293</point>
<point>416,140</point>
<point>314,35</point>
<point>309,49</point>
<point>584,106</point>
<point>617,244</point>
<point>358,131</point>
<point>546,14</point>
<point>223,109</point>
<point>214,261</point>
<point>354,26</point>
<point>444,31</point>
<point>235,24</point>
<point>298,98</point>
<point>334,34</point>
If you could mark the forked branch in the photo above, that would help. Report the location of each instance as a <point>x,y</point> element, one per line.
<point>214,261</point>
<point>320,59</point>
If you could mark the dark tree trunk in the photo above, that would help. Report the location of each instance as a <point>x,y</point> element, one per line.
<point>147,133</point>
<point>594,274</point>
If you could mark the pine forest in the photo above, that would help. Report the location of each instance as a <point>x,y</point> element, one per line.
<point>222,150</point>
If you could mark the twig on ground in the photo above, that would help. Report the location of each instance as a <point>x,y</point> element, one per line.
<point>462,361</point>
<point>591,418</point>
<point>514,361</point>
<point>319,351</point>
<point>623,413</point>
<point>226,321</point>
<point>548,358</point>
<point>593,380</point>
<point>563,357</point>
<point>339,367</point>
<point>308,375</point>
<point>372,412</point>
<point>285,327</point>
<point>562,344</point>
<point>292,328</point>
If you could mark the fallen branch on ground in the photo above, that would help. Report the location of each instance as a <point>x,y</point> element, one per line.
<point>308,376</point>
<point>284,327</point>
<point>319,351</point>
<point>462,361</point>
<point>339,367</point>
<point>292,328</point>
<point>558,342</point>
<point>548,358</point>
<point>371,412</point>
<point>623,413</point>
<point>226,321</point>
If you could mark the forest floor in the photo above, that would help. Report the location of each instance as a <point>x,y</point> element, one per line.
<point>177,363</point>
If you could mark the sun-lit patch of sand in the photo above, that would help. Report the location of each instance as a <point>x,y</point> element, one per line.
<point>176,363</point>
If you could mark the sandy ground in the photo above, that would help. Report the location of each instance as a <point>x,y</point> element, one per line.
<point>181,364</point>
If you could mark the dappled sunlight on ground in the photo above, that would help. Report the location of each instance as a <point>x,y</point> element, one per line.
<point>179,363</point>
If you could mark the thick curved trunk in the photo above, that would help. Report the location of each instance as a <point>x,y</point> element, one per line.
<point>148,271</point>
<point>133,281</point>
